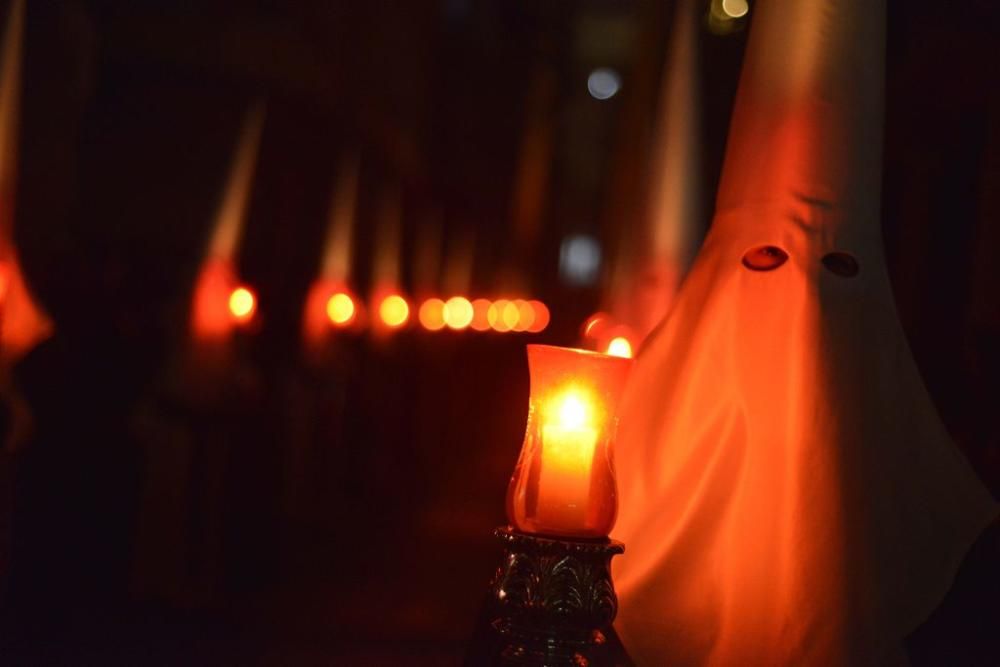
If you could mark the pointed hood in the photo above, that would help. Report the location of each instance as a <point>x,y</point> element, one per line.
<point>788,492</point>
<point>806,132</point>
<point>652,260</point>
<point>210,316</point>
<point>24,323</point>
<point>673,215</point>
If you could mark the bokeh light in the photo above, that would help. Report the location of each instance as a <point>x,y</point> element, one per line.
<point>510,315</point>
<point>431,314</point>
<point>603,83</point>
<point>458,312</point>
<point>579,260</point>
<point>541,319</point>
<point>727,16</point>
<point>595,325</point>
<point>495,315</point>
<point>480,315</point>
<point>735,8</point>
<point>394,311</point>
<point>242,304</point>
<point>340,309</point>
<point>620,346</point>
<point>525,315</point>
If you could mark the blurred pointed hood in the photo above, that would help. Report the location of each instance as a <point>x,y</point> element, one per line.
<point>651,262</point>
<point>675,185</point>
<point>231,215</point>
<point>210,316</point>
<point>24,323</point>
<point>340,227</point>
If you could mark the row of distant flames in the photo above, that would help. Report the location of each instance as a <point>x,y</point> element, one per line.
<point>345,311</point>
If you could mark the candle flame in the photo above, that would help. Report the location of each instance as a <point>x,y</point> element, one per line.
<point>458,312</point>
<point>620,347</point>
<point>242,304</point>
<point>431,314</point>
<point>340,309</point>
<point>571,408</point>
<point>394,311</point>
<point>572,411</point>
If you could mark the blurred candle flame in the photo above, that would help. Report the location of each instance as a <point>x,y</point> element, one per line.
<point>620,346</point>
<point>541,317</point>
<point>394,311</point>
<point>458,312</point>
<point>340,309</point>
<point>480,315</point>
<point>242,304</point>
<point>431,314</point>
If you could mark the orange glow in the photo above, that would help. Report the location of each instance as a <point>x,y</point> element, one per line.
<point>210,316</point>
<point>24,323</point>
<point>525,315</point>
<point>495,315</point>
<point>541,319</point>
<point>330,305</point>
<point>480,315</point>
<point>510,315</point>
<point>620,347</point>
<point>242,304</point>
<point>595,325</point>
<point>394,311</point>
<point>564,482</point>
<point>431,314</point>
<point>458,312</point>
<point>340,309</point>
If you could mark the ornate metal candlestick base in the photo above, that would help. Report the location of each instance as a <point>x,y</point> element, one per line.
<point>551,603</point>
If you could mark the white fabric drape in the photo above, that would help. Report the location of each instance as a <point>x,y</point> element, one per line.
<point>788,495</point>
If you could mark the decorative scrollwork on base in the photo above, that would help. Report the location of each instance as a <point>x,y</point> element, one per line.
<point>553,599</point>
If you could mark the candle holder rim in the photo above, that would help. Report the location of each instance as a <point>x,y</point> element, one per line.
<point>581,352</point>
<point>511,535</point>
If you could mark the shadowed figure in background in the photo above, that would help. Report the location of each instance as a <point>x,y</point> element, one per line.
<point>789,495</point>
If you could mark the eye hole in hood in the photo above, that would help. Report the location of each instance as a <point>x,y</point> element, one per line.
<point>764,258</point>
<point>841,263</point>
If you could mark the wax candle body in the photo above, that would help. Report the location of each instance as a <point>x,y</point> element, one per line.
<point>565,476</point>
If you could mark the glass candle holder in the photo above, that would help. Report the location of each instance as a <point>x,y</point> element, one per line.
<point>564,482</point>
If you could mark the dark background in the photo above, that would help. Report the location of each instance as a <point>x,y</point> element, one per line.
<point>292,513</point>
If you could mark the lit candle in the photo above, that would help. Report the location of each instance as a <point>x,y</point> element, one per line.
<point>564,482</point>
<point>568,442</point>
